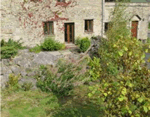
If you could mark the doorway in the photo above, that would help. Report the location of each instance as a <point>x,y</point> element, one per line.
<point>134,28</point>
<point>69,32</point>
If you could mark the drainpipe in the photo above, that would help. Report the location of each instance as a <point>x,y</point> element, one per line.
<point>102,17</point>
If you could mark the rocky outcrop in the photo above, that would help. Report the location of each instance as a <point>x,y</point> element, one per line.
<point>27,63</point>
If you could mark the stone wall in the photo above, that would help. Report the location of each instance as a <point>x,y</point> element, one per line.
<point>27,64</point>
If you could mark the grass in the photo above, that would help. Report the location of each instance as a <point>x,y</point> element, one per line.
<point>28,104</point>
<point>40,104</point>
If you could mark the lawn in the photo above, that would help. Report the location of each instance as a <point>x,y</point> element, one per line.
<point>40,104</point>
<point>28,104</point>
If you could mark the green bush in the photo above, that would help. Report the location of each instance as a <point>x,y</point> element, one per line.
<point>60,79</point>
<point>9,49</point>
<point>26,86</point>
<point>36,49</point>
<point>50,45</point>
<point>123,89</point>
<point>95,68</point>
<point>148,40</point>
<point>11,42</point>
<point>78,41</point>
<point>8,52</point>
<point>84,44</point>
<point>12,84</point>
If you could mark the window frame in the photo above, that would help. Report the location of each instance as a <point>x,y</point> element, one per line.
<point>116,0</point>
<point>60,0</point>
<point>47,23</point>
<point>105,30</point>
<point>110,0</point>
<point>89,22</point>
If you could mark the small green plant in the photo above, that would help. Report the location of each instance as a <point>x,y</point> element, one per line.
<point>2,42</point>
<point>8,52</point>
<point>84,44</point>
<point>149,25</point>
<point>148,40</point>
<point>78,41</point>
<point>36,49</point>
<point>9,49</point>
<point>50,45</point>
<point>12,84</point>
<point>26,86</point>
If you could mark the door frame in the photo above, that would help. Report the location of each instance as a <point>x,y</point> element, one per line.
<point>65,25</point>
<point>137,18</point>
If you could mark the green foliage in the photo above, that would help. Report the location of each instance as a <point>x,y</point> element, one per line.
<point>9,49</point>
<point>123,89</point>
<point>8,52</point>
<point>78,41</point>
<point>95,68</point>
<point>84,44</point>
<point>36,49</point>
<point>148,40</point>
<point>26,86</point>
<point>149,25</point>
<point>11,42</point>
<point>50,45</point>
<point>12,84</point>
<point>60,79</point>
<point>125,94</point>
<point>2,42</point>
<point>78,112</point>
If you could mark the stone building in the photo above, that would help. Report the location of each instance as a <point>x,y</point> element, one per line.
<point>65,20</point>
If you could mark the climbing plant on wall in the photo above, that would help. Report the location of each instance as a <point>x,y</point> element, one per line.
<point>31,13</point>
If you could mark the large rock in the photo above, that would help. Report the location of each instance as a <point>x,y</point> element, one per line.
<point>44,58</point>
<point>27,63</point>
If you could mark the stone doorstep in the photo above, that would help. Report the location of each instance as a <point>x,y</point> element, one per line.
<point>65,52</point>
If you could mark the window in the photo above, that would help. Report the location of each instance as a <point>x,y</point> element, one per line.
<point>34,0</point>
<point>117,0</point>
<point>89,25</point>
<point>48,28</point>
<point>106,27</point>
<point>110,0</point>
<point>60,0</point>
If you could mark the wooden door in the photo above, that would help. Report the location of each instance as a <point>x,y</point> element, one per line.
<point>134,28</point>
<point>69,32</point>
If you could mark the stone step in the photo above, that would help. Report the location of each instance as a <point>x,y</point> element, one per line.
<point>70,45</point>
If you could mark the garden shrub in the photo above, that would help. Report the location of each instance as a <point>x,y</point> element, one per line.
<point>9,49</point>
<point>36,49</point>
<point>78,41</point>
<point>124,95</point>
<point>124,82</point>
<point>8,52</point>
<point>26,86</point>
<point>84,44</point>
<point>60,79</point>
<point>12,84</point>
<point>50,45</point>
<point>95,68</point>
